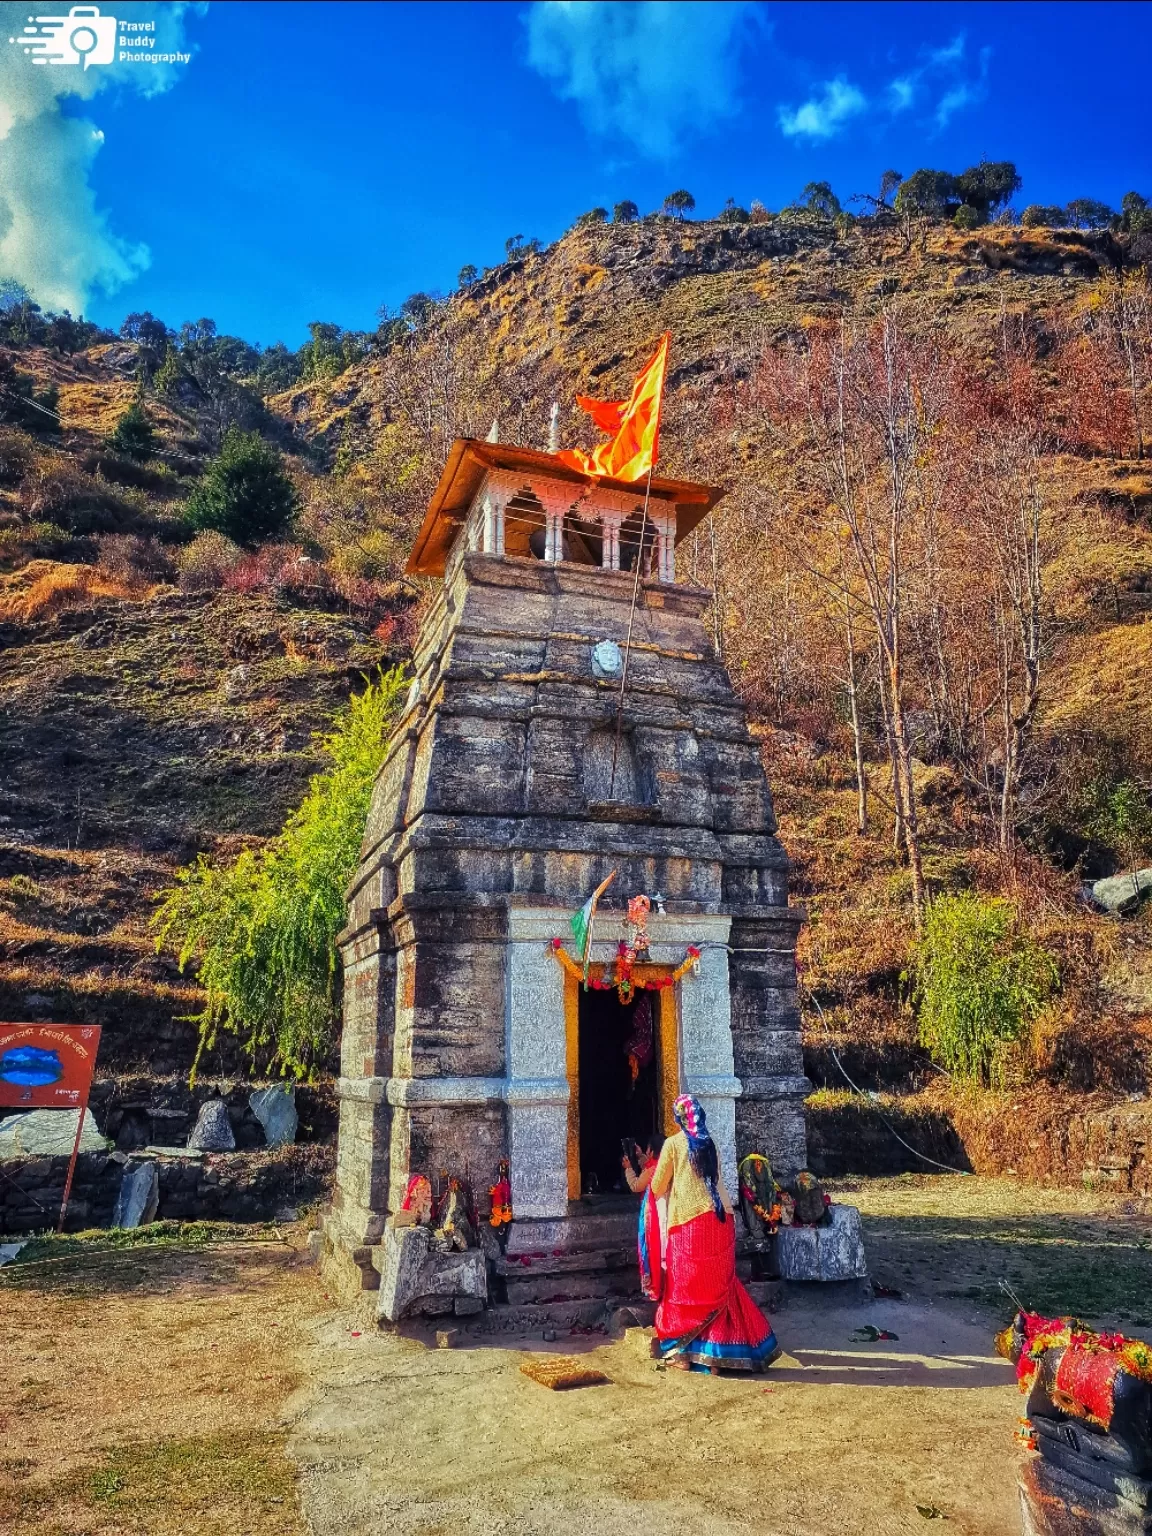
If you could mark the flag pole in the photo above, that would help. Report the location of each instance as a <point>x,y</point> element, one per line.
<point>628,638</point>
<point>72,1165</point>
<point>596,895</point>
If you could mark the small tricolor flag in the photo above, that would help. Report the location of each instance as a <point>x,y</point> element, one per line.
<point>582,924</point>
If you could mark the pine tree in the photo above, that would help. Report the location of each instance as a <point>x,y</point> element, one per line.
<point>244,493</point>
<point>133,436</point>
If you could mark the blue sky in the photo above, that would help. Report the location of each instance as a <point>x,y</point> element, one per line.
<point>312,161</point>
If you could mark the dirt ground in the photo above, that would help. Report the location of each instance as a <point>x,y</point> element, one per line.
<point>166,1388</point>
<point>140,1386</point>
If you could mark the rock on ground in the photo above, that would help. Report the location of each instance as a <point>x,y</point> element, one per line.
<point>213,1129</point>
<point>834,1252</point>
<point>1123,893</point>
<point>139,1196</point>
<point>275,1108</point>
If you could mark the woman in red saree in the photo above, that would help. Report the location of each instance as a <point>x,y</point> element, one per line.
<point>706,1320</point>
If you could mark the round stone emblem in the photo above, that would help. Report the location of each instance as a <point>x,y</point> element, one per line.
<point>606,659</point>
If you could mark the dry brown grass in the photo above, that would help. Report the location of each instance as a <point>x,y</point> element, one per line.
<point>142,1389</point>
<point>46,587</point>
<point>1106,688</point>
<point>1061,1250</point>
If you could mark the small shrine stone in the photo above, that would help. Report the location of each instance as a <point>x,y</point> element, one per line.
<point>213,1129</point>
<point>399,1258</point>
<point>139,1197</point>
<point>832,1252</point>
<point>275,1108</point>
<point>414,1278</point>
<point>48,1133</point>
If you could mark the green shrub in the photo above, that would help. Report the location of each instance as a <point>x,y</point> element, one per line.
<point>22,404</point>
<point>133,435</point>
<point>967,217</point>
<point>679,204</point>
<point>979,983</point>
<point>1042,216</point>
<point>262,929</point>
<point>205,562</point>
<point>1118,813</point>
<point>244,493</point>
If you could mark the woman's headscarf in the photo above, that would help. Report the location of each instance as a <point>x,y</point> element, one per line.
<point>689,1116</point>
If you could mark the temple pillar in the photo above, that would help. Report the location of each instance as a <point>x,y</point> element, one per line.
<point>665,554</point>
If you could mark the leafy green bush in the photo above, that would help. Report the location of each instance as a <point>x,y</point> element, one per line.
<point>22,404</point>
<point>1089,213</point>
<point>133,435</point>
<point>928,194</point>
<point>244,493</point>
<point>1119,814</point>
<point>988,186</point>
<point>967,217</point>
<point>819,199</point>
<point>1042,216</point>
<point>262,929</point>
<point>979,983</point>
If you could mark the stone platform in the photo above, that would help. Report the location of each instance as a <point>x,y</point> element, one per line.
<point>834,1252</point>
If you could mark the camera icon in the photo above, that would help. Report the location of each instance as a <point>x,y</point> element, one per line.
<point>82,37</point>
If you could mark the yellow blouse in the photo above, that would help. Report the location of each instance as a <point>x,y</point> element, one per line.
<point>687,1192</point>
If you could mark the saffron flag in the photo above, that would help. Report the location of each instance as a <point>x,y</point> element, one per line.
<point>633,423</point>
<point>582,924</point>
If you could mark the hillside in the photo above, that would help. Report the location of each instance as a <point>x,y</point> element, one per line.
<point>153,710</point>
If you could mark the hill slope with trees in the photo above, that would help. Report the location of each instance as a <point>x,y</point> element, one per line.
<point>933,569</point>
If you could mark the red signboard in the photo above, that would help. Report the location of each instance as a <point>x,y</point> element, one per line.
<point>46,1066</point>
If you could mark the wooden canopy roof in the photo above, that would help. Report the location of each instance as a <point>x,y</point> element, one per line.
<point>469,460</point>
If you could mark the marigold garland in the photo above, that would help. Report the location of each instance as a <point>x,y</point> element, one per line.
<point>624,981</point>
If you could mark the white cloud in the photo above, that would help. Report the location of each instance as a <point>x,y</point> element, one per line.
<point>53,238</point>
<point>652,70</point>
<point>966,93</point>
<point>943,70</point>
<point>901,94</point>
<point>951,53</point>
<point>824,115</point>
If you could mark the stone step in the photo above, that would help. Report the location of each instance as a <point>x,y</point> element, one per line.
<point>538,1317</point>
<point>577,1232</point>
<point>589,1260</point>
<point>572,1287</point>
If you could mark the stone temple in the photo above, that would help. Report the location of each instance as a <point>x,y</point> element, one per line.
<point>511,789</point>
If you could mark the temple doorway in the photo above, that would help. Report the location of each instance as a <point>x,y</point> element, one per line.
<point>619,1080</point>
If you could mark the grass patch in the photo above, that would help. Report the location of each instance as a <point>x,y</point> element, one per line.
<point>206,1484</point>
<point>1059,1251</point>
<point>61,1258</point>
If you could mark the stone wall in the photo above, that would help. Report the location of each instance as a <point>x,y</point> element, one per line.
<point>145,1110</point>
<point>228,1186</point>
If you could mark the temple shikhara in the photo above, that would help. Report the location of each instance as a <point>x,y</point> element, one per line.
<point>568,718</point>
